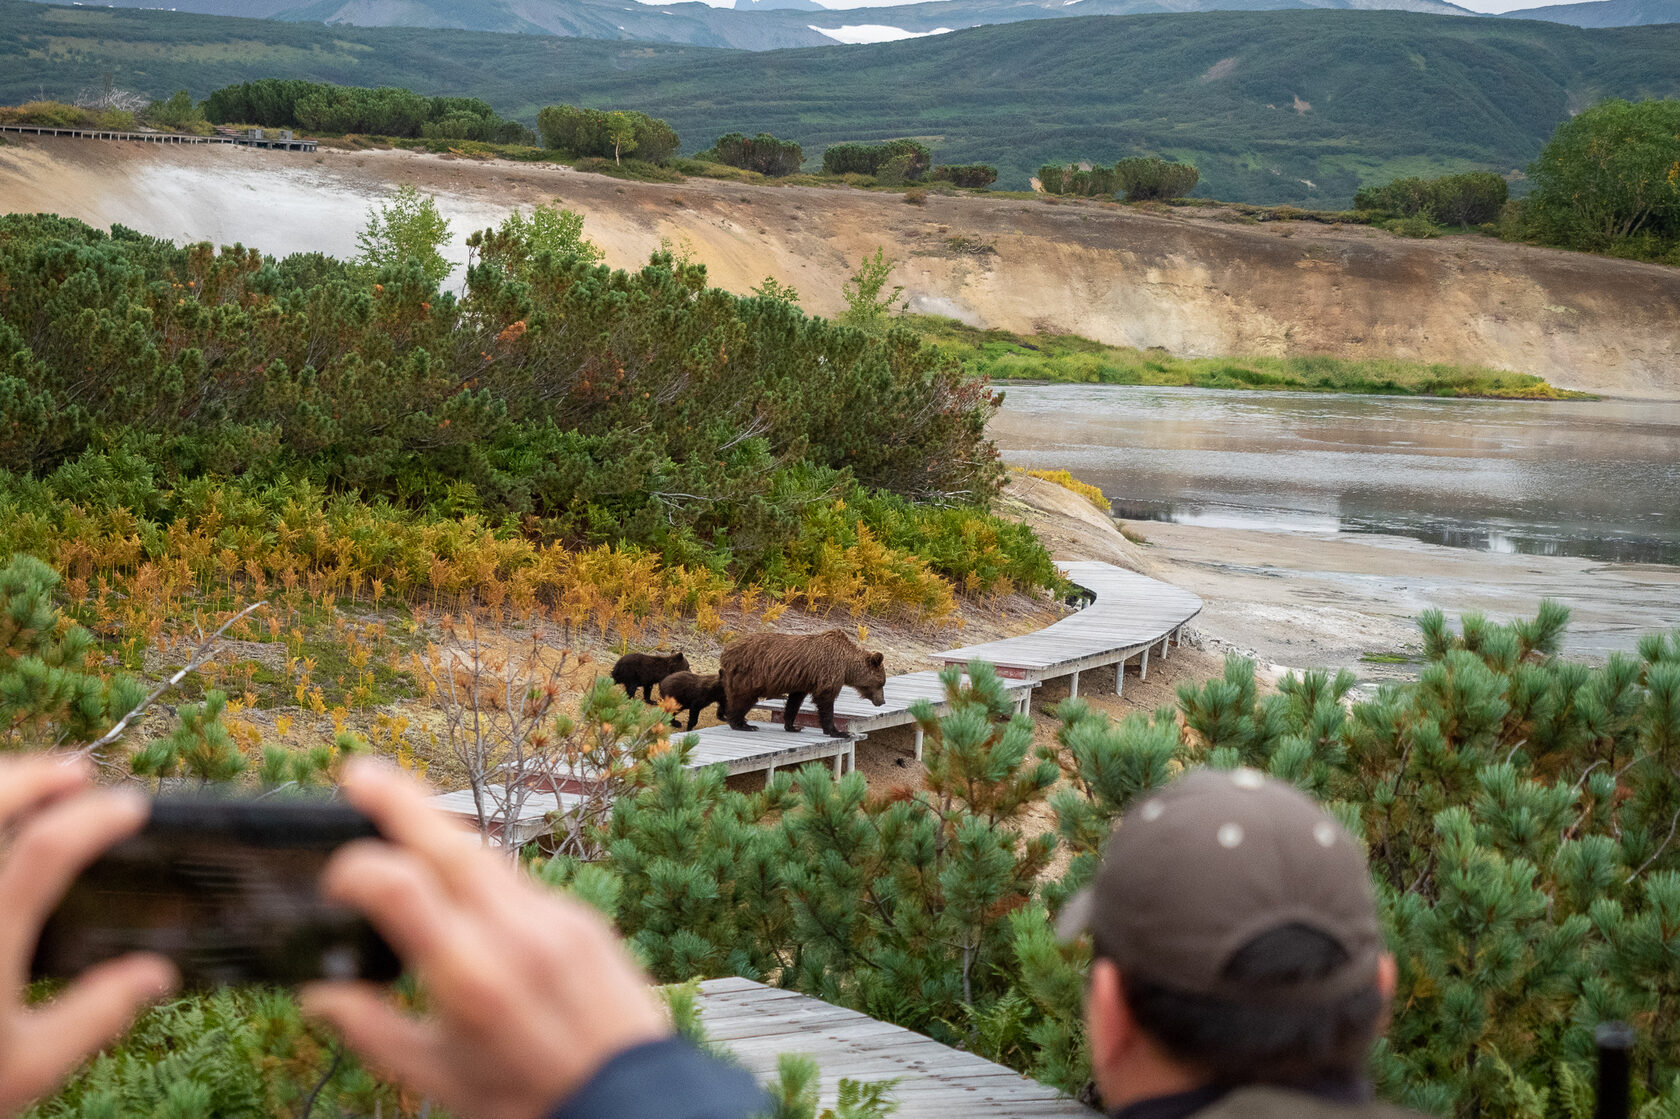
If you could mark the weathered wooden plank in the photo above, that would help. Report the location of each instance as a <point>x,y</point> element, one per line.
<point>1129,614</point>
<point>934,1080</point>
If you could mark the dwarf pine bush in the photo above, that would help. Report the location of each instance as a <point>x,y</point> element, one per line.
<point>1520,811</point>
<point>365,425</point>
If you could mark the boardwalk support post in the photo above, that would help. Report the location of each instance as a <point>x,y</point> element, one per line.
<point>918,743</point>
<point>1143,666</point>
<point>1073,685</point>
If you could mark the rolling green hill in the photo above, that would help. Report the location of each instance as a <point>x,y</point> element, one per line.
<point>1294,106</point>
<point>1273,107</point>
<point>782,23</point>
<point>1604,13</point>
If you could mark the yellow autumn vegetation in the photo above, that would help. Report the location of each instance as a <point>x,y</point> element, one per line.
<point>1068,481</point>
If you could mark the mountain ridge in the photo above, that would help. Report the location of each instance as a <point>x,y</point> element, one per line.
<point>1298,107</point>
<point>776,25</point>
<point>1604,13</point>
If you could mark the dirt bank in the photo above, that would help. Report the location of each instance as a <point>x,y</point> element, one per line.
<point>1194,285</point>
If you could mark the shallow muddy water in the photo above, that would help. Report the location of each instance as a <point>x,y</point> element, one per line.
<point>1594,479</point>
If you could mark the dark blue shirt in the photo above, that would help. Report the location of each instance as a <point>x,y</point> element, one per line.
<point>667,1079</point>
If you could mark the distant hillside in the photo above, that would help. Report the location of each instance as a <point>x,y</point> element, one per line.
<point>1605,13</point>
<point>763,28</point>
<point>1298,107</point>
<point>750,26</point>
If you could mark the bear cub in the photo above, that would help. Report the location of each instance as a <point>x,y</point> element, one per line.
<point>644,670</point>
<point>693,693</point>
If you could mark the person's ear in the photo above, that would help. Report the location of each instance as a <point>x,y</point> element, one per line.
<point>1108,1021</point>
<point>1388,976</point>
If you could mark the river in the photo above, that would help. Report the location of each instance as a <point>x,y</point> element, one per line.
<point>1319,526</point>
<point>1598,479</point>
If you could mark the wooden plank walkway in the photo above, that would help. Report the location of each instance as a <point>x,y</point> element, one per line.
<point>1131,615</point>
<point>767,748</point>
<point>856,715</point>
<point>533,819</point>
<point>758,1023</point>
<point>277,143</point>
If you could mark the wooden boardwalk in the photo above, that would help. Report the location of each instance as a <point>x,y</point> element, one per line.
<point>279,143</point>
<point>533,821</point>
<point>768,748</point>
<point>1131,615</point>
<point>856,715</point>
<point>757,1024</point>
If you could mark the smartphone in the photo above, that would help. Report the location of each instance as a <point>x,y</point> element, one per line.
<point>225,888</point>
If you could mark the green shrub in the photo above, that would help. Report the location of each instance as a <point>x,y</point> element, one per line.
<point>762,153</point>
<point>571,402</point>
<point>1141,178</point>
<point>975,176</point>
<point>1151,177</point>
<point>588,132</point>
<point>341,109</point>
<point>909,160</point>
<point>178,114</point>
<point>57,114</point>
<point>1609,180</point>
<point>1416,226</point>
<point>1462,200</point>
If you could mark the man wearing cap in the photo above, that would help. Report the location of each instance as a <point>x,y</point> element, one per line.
<point>1239,968</point>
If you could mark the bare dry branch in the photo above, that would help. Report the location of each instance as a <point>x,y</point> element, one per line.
<point>203,653</point>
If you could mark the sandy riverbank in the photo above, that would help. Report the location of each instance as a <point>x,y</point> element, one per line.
<point>1308,600</point>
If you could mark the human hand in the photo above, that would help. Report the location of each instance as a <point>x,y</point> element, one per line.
<point>58,824</point>
<point>529,993</point>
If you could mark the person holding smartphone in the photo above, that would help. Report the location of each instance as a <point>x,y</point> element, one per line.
<point>535,1008</point>
<point>1239,970</point>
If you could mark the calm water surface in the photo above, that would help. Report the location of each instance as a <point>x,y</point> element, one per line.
<point>1599,479</point>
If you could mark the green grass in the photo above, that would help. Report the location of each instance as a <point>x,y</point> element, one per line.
<point>1488,94</point>
<point>1068,358</point>
<point>1386,658</point>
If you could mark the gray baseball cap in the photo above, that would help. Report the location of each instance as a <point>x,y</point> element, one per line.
<point>1195,872</point>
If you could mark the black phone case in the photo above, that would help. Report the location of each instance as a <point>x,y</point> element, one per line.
<point>226,889</point>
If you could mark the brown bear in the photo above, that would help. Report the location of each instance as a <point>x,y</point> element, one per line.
<point>693,693</point>
<point>644,670</point>
<point>796,665</point>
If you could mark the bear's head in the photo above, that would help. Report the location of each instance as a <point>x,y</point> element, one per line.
<point>869,677</point>
<point>676,662</point>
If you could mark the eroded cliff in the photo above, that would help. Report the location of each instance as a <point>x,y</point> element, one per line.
<point>1193,283</point>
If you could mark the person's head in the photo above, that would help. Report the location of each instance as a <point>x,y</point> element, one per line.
<point>1236,942</point>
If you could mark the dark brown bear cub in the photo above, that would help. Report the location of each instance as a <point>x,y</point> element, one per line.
<point>798,665</point>
<point>693,693</point>
<point>644,670</point>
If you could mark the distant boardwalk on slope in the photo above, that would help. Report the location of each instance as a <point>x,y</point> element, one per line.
<point>282,140</point>
<point>757,1024</point>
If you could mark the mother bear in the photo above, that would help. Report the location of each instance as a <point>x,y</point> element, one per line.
<point>796,665</point>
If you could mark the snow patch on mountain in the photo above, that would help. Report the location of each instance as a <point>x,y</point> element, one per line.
<point>873,33</point>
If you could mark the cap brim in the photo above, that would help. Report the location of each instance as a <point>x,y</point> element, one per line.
<point>1075,918</point>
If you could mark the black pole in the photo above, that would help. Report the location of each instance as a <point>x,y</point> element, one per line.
<point>1615,1042</point>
